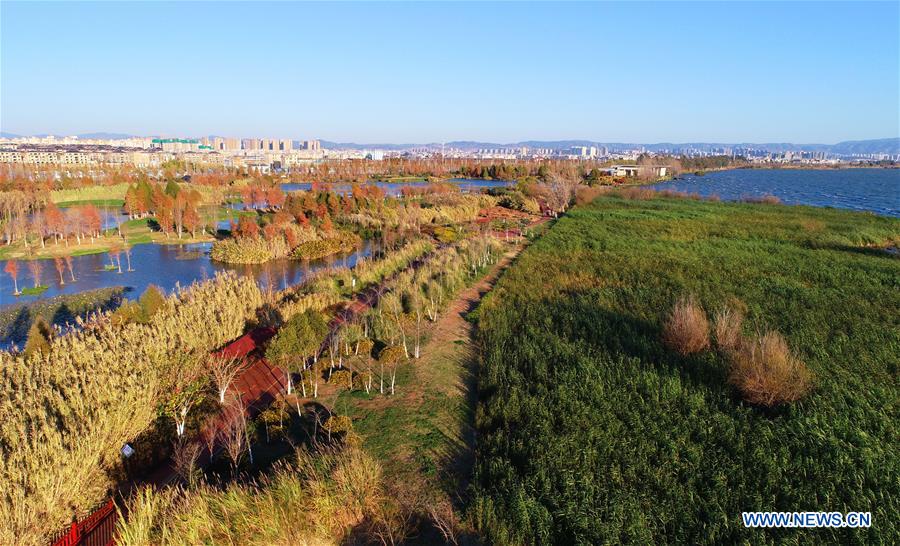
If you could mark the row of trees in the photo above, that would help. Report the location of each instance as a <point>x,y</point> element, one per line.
<point>26,220</point>
<point>304,336</point>
<point>395,323</point>
<point>261,194</point>
<point>36,269</point>
<point>44,178</point>
<point>176,209</point>
<point>361,171</point>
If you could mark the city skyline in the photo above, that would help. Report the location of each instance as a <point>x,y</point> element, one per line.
<point>599,72</point>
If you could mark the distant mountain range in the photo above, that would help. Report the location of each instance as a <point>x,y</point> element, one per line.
<point>850,147</point>
<point>106,136</point>
<point>875,146</point>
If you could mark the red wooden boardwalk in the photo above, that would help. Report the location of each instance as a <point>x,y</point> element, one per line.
<point>97,529</point>
<point>260,383</point>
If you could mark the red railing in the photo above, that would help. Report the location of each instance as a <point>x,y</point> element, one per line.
<point>97,529</point>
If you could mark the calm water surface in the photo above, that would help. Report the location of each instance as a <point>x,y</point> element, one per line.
<point>164,266</point>
<point>874,190</point>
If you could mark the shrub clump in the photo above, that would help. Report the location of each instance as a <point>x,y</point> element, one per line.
<point>314,250</point>
<point>39,336</point>
<point>338,423</point>
<point>342,378</point>
<point>686,330</point>
<point>391,354</point>
<point>766,373</point>
<point>247,250</point>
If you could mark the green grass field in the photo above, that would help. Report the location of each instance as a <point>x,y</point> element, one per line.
<point>90,194</point>
<point>591,431</point>
<point>96,202</point>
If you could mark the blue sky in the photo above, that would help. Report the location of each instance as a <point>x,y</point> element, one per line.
<point>399,72</point>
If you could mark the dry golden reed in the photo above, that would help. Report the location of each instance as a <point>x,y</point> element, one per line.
<point>686,330</point>
<point>767,373</point>
<point>65,415</point>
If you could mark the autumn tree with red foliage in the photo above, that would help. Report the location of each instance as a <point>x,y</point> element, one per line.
<point>247,227</point>
<point>12,269</point>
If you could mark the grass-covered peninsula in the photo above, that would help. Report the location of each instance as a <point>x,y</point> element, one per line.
<point>594,429</point>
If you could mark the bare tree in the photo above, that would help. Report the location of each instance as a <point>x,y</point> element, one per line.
<point>184,458</point>
<point>561,192</point>
<point>209,434</point>
<point>417,307</point>
<point>60,268</point>
<point>435,297</point>
<point>392,356</point>
<point>128,255</point>
<point>69,266</point>
<point>224,370</point>
<point>394,306</point>
<point>444,519</point>
<point>35,267</point>
<point>334,347</point>
<point>234,434</point>
<point>115,251</point>
<point>187,392</point>
<point>12,268</point>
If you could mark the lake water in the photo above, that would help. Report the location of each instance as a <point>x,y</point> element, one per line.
<point>164,266</point>
<point>874,190</point>
<point>394,189</point>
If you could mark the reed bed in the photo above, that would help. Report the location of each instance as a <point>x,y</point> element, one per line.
<point>317,499</point>
<point>65,414</point>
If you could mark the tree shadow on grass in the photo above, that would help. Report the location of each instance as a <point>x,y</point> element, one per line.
<point>579,319</point>
<point>63,315</point>
<point>17,329</point>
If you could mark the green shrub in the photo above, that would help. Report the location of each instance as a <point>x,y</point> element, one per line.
<point>392,354</point>
<point>342,379</point>
<point>152,301</point>
<point>338,423</point>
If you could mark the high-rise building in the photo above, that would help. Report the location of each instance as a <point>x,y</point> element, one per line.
<point>232,144</point>
<point>287,145</point>
<point>311,145</point>
<point>252,144</point>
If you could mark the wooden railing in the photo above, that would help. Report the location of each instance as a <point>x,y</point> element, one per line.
<point>97,529</point>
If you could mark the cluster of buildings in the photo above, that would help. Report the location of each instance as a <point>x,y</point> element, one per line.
<point>254,153</point>
<point>633,152</point>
